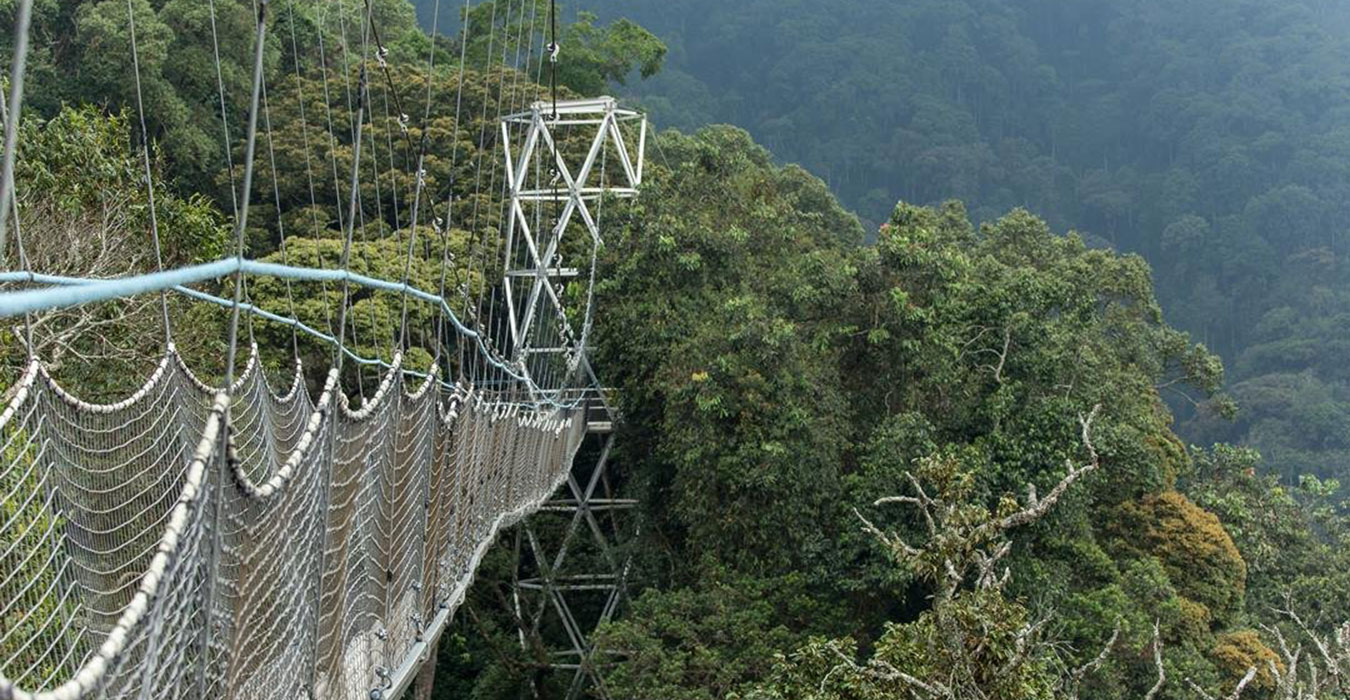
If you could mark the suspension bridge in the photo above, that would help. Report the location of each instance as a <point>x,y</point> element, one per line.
<point>236,533</point>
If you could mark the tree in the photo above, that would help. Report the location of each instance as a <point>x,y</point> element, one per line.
<point>1205,137</point>
<point>591,56</point>
<point>84,211</point>
<point>974,641</point>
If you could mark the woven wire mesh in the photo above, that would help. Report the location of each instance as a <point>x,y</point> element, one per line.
<point>194,543</point>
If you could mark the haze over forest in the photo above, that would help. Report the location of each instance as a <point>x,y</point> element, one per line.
<point>960,349</point>
<point>1211,137</point>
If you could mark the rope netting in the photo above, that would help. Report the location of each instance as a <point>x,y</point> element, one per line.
<point>148,552</point>
<point>201,541</point>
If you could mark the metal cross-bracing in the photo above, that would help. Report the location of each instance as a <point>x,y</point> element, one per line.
<point>559,174</point>
<point>572,570</point>
<point>211,537</point>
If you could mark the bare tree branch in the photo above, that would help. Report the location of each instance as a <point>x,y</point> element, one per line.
<point>1157,661</point>
<point>1037,510</point>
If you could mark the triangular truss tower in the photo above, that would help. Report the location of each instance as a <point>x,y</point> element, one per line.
<point>566,159</point>
<point>572,570</point>
<point>563,160</point>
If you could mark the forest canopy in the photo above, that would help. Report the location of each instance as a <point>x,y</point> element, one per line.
<point>1209,137</point>
<point>919,371</point>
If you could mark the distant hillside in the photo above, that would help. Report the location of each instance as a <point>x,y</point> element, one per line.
<point>1212,137</point>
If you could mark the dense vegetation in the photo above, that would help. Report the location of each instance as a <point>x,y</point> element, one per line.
<point>1208,136</point>
<point>778,379</point>
<point>81,169</point>
<point>838,430</point>
<point>783,376</point>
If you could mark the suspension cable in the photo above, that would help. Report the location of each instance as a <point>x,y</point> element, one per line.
<point>473,311</point>
<point>281,225</point>
<point>352,201</point>
<point>149,176</point>
<point>446,258</point>
<point>419,184</point>
<point>12,116</point>
<point>241,220</point>
<point>224,118</point>
<point>24,263</point>
<point>553,49</point>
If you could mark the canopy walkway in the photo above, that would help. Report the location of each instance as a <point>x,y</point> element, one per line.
<point>247,540</point>
<point>148,554</point>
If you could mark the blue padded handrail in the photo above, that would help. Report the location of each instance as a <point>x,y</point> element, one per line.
<point>69,292</point>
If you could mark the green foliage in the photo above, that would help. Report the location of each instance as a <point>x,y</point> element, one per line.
<point>742,320</point>
<point>1200,557</point>
<point>592,56</point>
<point>717,324</point>
<point>374,319</point>
<point>82,160</point>
<point>774,374</point>
<point>1208,137</point>
<point>828,670</point>
<point>1238,651</point>
<point>82,54</point>
<point>85,212</point>
<point>599,56</point>
<point>704,642</point>
<point>308,169</point>
<point>1292,538</point>
<point>38,636</point>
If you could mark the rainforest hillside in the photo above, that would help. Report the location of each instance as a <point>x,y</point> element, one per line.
<point>1211,137</point>
<point>898,364</point>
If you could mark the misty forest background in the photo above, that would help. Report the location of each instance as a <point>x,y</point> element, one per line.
<point>1120,263</point>
<point>1211,138</point>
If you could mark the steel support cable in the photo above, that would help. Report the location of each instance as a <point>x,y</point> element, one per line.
<point>557,228</point>
<point>473,307</point>
<point>353,125</point>
<point>241,220</point>
<point>352,202</point>
<point>553,50</point>
<point>224,118</point>
<point>489,289</point>
<point>478,173</point>
<point>364,99</point>
<point>149,176</point>
<point>501,330</point>
<point>545,55</point>
<point>382,55</point>
<point>24,263</point>
<point>498,327</point>
<point>304,137</point>
<point>12,115</point>
<point>419,183</point>
<point>323,496</point>
<point>281,225</point>
<point>446,258</point>
<point>222,457</point>
<point>376,173</point>
<point>367,28</point>
<point>332,159</point>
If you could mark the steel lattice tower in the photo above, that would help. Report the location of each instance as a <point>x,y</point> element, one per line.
<point>569,157</point>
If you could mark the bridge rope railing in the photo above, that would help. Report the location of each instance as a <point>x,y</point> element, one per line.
<point>201,541</point>
<point>108,516</point>
<point>63,292</point>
